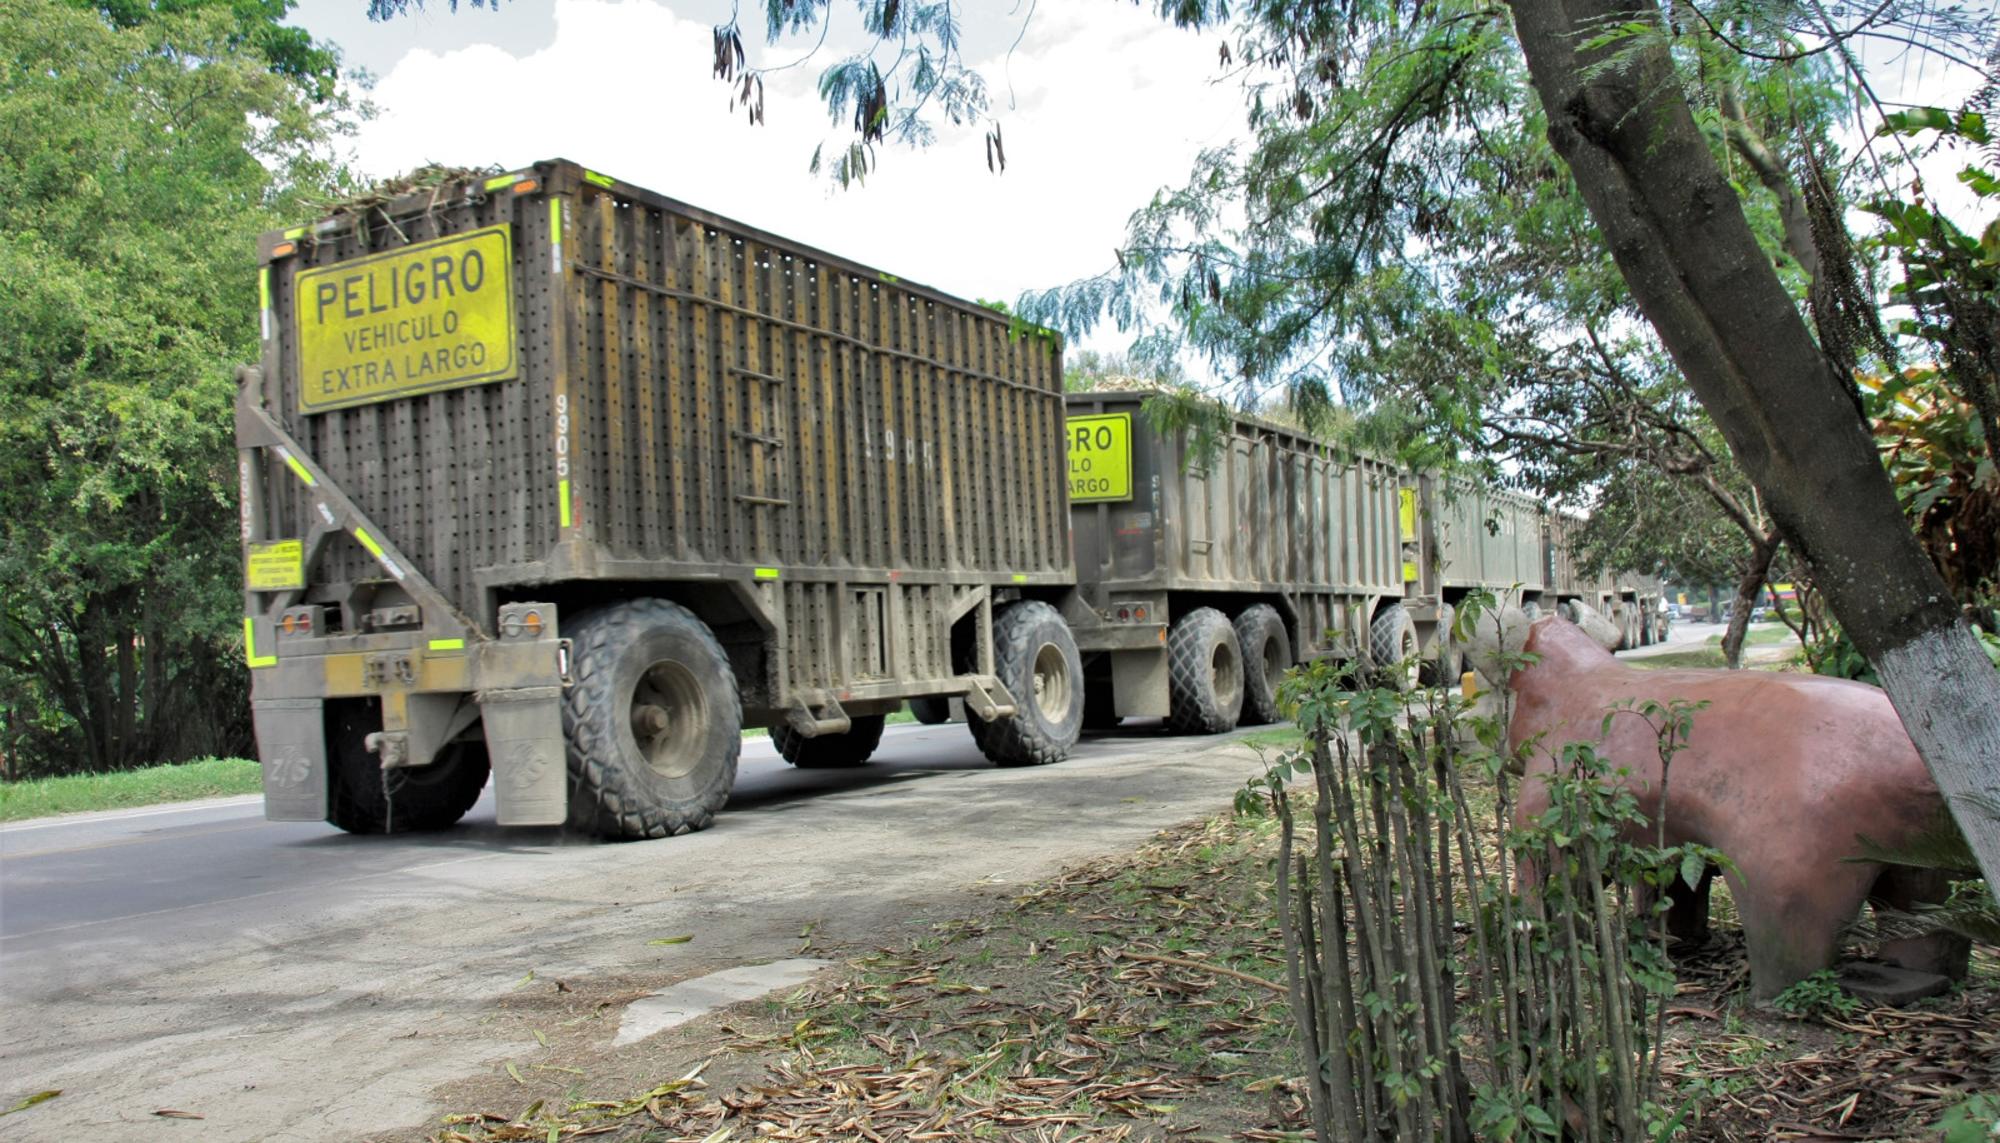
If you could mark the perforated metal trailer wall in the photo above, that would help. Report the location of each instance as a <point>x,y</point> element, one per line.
<point>1491,539</point>
<point>1272,513</point>
<point>695,401</point>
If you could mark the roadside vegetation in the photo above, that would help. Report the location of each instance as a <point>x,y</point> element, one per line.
<point>1350,955</point>
<point>174,782</point>
<point>1142,997</point>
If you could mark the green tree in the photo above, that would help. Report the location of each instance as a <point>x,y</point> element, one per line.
<point>258,24</point>
<point>137,166</point>
<point>1367,114</point>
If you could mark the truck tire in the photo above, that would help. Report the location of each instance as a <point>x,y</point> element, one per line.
<point>1204,673</point>
<point>830,751</point>
<point>1036,658</point>
<point>1393,647</point>
<point>1267,655</point>
<point>931,710</point>
<point>367,799</point>
<point>652,720</point>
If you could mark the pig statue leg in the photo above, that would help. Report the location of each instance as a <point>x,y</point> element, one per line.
<point>1902,888</point>
<point>1793,925</point>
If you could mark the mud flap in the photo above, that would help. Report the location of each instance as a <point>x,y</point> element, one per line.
<point>291,739</point>
<point>524,739</point>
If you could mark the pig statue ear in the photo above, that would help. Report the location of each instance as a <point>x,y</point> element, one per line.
<point>1494,632</point>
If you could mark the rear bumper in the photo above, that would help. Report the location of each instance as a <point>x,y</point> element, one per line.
<point>431,691</point>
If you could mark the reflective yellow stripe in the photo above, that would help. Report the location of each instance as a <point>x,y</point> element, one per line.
<point>1409,516</point>
<point>368,541</point>
<point>447,644</point>
<point>264,288</point>
<point>594,177</point>
<point>1020,577</point>
<point>298,469</point>
<point>562,501</point>
<point>250,655</point>
<point>499,181</point>
<point>296,232</point>
<point>766,573</point>
<point>1409,571</point>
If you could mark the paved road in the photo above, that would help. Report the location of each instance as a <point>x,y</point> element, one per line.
<point>71,886</point>
<point>291,982</point>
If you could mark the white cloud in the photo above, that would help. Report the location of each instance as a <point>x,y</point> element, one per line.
<point>1101,104</point>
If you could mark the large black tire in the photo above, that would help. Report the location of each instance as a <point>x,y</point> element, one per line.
<point>367,799</point>
<point>647,666</point>
<point>1035,657</point>
<point>830,751</point>
<point>1392,647</point>
<point>1204,673</point>
<point>931,711</point>
<point>1267,655</point>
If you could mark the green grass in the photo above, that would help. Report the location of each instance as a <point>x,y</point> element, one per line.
<point>1759,635</point>
<point>180,782</point>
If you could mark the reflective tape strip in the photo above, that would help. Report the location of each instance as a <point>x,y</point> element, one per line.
<point>298,469</point>
<point>555,236</point>
<point>381,557</point>
<point>1020,577</point>
<point>250,655</point>
<point>594,177</point>
<point>562,501</point>
<point>498,182</point>
<point>296,232</point>
<point>447,644</point>
<point>766,573</point>
<point>264,313</point>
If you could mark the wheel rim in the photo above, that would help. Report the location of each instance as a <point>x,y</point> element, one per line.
<point>1274,661</point>
<point>1407,665</point>
<point>669,721</point>
<point>1051,682</point>
<point>1227,672</point>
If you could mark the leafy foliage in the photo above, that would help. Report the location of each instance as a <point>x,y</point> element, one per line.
<point>259,25</point>
<point>139,165</point>
<point>1816,997</point>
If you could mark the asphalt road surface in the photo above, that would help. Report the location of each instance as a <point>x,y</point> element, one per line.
<point>287,981</point>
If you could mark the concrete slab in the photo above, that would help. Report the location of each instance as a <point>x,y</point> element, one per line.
<point>1887,984</point>
<point>705,994</point>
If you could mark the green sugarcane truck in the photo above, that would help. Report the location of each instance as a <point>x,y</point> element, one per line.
<point>547,475</point>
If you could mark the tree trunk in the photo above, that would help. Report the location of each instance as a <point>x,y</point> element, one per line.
<point>1677,231</point>
<point>1747,586</point>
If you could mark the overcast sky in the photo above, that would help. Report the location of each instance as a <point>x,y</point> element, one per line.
<point>1102,104</point>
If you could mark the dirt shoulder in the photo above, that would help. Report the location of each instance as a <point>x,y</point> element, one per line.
<point>1134,997</point>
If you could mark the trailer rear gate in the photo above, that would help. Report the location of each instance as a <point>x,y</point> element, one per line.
<point>824,465</point>
<point>737,405</point>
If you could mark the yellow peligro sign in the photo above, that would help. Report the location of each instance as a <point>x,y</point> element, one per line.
<point>1100,457</point>
<point>278,566</point>
<point>429,316</point>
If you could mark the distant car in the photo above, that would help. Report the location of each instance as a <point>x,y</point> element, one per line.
<point>1675,612</point>
<point>1759,614</point>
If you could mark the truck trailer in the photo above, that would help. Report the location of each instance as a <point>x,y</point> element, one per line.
<point>547,474</point>
<point>1202,576</point>
<point>549,478</point>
